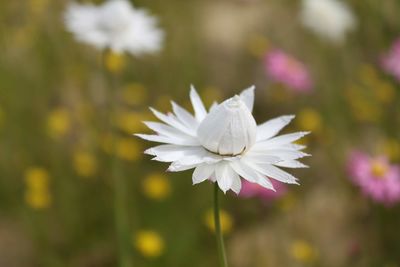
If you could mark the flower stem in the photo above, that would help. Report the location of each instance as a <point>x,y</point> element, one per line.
<point>119,182</point>
<point>218,232</point>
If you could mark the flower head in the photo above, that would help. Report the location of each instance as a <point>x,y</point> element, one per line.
<point>331,19</point>
<point>115,25</point>
<point>391,61</point>
<point>376,177</point>
<point>282,68</point>
<point>225,143</point>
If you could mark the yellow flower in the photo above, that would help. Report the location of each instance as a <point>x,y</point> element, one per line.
<point>303,252</point>
<point>85,163</point>
<point>38,199</point>
<point>156,186</point>
<point>309,119</point>
<point>37,193</point>
<point>258,45</point>
<point>37,178</point>
<point>128,149</point>
<point>225,219</point>
<point>58,123</point>
<point>134,94</point>
<point>149,243</point>
<point>114,63</point>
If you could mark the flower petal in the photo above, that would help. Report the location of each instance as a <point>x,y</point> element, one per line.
<point>184,116</point>
<point>213,106</point>
<point>285,154</point>
<point>236,184</point>
<point>224,174</point>
<point>247,97</point>
<point>202,173</point>
<point>173,121</point>
<point>168,139</point>
<point>262,158</point>
<point>272,127</point>
<point>176,167</point>
<point>250,174</point>
<point>170,153</point>
<point>280,140</point>
<point>275,173</point>
<point>290,164</point>
<point>166,130</point>
<point>198,106</point>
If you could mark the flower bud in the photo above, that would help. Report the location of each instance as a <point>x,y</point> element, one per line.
<point>229,129</point>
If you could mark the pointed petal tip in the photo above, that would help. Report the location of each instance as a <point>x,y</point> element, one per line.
<point>149,151</point>
<point>290,117</point>
<point>139,135</point>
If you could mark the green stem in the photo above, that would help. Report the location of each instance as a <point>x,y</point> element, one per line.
<point>119,183</point>
<point>218,232</point>
<point>121,219</point>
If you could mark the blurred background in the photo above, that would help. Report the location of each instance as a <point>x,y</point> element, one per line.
<point>56,194</point>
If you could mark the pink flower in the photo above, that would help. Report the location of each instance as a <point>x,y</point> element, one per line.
<point>282,68</point>
<point>391,61</point>
<point>377,178</point>
<point>254,190</point>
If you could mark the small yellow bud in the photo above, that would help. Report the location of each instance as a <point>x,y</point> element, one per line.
<point>149,243</point>
<point>156,186</point>
<point>225,219</point>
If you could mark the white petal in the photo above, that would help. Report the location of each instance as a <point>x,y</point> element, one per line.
<point>173,121</point>
<point>281,140</point>
<point>224,174</point>
<point>198,106</point>
<point>175,167</point>
<point>184,116</point>
<point>276,173</point>
<point>169,153</point>
<point>262,158</point>
<point>168,140</point>
<point>291,164</point>
<point>213,106</point>
<point>250,174</point>
<point>247,97</point>
<point>286,154</point>
<point>202,173</point>
<point>236,184</point>
<point>272,127</point>
<point>166,130</point>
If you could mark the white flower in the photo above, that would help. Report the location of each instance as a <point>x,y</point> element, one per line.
<point>225,143</point>
<point>331,19</point>
<point>115,25</point>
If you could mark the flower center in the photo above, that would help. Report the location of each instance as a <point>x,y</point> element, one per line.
<point>379,169</point>
<point>228,130</point>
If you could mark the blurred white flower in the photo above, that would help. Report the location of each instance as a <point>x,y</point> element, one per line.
<point>115,25</point>
<point>225,143</point>
<point>331,19</point>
